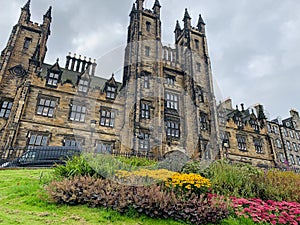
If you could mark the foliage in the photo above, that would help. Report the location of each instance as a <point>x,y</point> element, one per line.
<point>137,161</point>
<point>232,179</point>
<point>267,211</point>
<point>76,166</point>
<point>184,183</point>
<point>143,176</point>
<point>151,200</point>
<point>193,166</point>
<point>279,186</point>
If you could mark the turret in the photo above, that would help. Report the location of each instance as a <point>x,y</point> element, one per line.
<point>187,20</point>
<point>201,24</point>
<point>156,8</point>
<point>25,13</point>
<point>140,4</point>
<point>177,30</point>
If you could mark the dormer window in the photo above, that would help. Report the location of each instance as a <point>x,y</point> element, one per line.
<point>53,79</point>
<point>110,92</point>
<point>238,121</point>
<point>83,85</point>
<point>254,125</point>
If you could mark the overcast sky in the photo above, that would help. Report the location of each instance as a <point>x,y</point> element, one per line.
<point>254,45</point>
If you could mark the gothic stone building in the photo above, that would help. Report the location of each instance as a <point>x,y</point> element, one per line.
<point>165,101</point>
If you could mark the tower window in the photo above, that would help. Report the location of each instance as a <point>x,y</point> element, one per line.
<point>198,67</point>
<point>148,26</point>
<point>27,42</point>
<point>46,106</point>
<point>147,51</point>
<point>5,109</point>
<point>203,121</point>
<point>107,117</point>
<point>78,113</point>
<point>83,86</point>
<point>173,129</point>
<point>172,101</point>
<point>258,145</point>
<point>53,79</point>
<point>146,81</point>
<point>145,110</point>
<point>241,142</point>
<point>170,80</point>
<point>35,139</point>
<point>144,142</point>
<point>197,44</point>
<point>110,92</point>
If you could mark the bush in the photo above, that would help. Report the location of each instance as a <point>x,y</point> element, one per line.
<point>137,161</point>
<point>233,179</point>
<point>279,186</point>
<point>152,200</point>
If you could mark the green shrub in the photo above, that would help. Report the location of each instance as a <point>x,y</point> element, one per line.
<point>151,200</point>
<point>233,179</point>
<point>137,161</point>
<point>77,166</point>
<point>279,186</point>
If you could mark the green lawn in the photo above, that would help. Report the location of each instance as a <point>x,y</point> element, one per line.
<point>22,201</point>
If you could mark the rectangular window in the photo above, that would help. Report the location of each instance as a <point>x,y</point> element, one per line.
<point>295,147</point>
<point>148,26</point>
<point>258,143</point>
<point>292,159</point>
<point>173,129</point>
<point>197,43</point>
<point>225,139</point>
<point>107,117</point>
<point>297,135</point>
<point>72,142</point>
<point>276,130</point>
<point>147,51</point>
<point>170,80</point>
<point>104,147</point>
<point>78,112</point>
<point>146,81</point>
<point>203,121</point>
<point>27,42</point>
<point>145,110</point>
<point>53,79</point>
<point>285,132</point>
<point>298,160</point>
<point>46,106</point>
<point>278,143</point>
<point>198,67</point>
<point>254,124</point>
<point>38,139</point>
<point>201,95</point>
<point>5,109</point>
<point>110,92</point>
<point>241,142</point>
<point>291,134</point>
<point>281,157</point>
<point>144,141</point>
<point>171,101</point>
<point>288,145</point>
<point>83,86</point>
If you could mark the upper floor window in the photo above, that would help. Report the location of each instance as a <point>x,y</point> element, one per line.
<point>53,79</point>
<point>148,26</point>
<point>46,106</point>
<point>145,110</point>
<point>5,109</point>
<point>203,121</point>
<point>198,67</point>
<point>83,85</point>
<point>111,92</point>
<point>295,147</point>
<point>242,145</point>
<point>278,143</point>
<point>298,160</point>
<point>276,130</point>
<point>254,125</point>
<point>239,122</point>
<point>201,95</point>
<point>258,143</point>
<point>104,147</point>
<point>291,134</point>
<point>78,112</point>
<point>285,132</point>
<point>147,51</point>
<point>170,80</point>
<point>146,81</point>
<point>288,144</point>
<point>297,135</point>
<point>225,139</point>
<point>38,139</point>
<point>173,129</point>
<point>292,160</point>
<point>27,42</point>
<point>171,101</point>
<point>107,117</point>
<point>281,157</point>
<point>144,141</point>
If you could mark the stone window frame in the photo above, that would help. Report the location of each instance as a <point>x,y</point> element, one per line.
<point>172,128</point>
<point>72,141</point>
<point>285,132</point>
<point>278,143</point>
<point>148,26</point>
<point>107,117</point>
<point>83,85</point>
<point>292,159</point>
<point>291,134</point>
<point>254,124</point>
<point>204,122</point>
<point>258,144</point>
<point>297,135</point>
<point>225,137</point>
<point>53,78</point>
<point>102,146</point>
<point>77,109</point>
<point>146,80</point>
<point>27,42</point>
<point>144,141</point>
<point>46,102</point>
<point>239,122</point>
<point>197,44</point>
<point>172,100</point>
<point>170,80</point>
<point>36,138</point>
<point>5,108</point>
<point>111,92</point>
<point>147,51</point>
<point>242,142</point>
<point>281,157</point>
<point>198,67</point>
<point>288,145</point>
<point>295,147</point>
<point>145,109</point>
<point>298,159</point>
